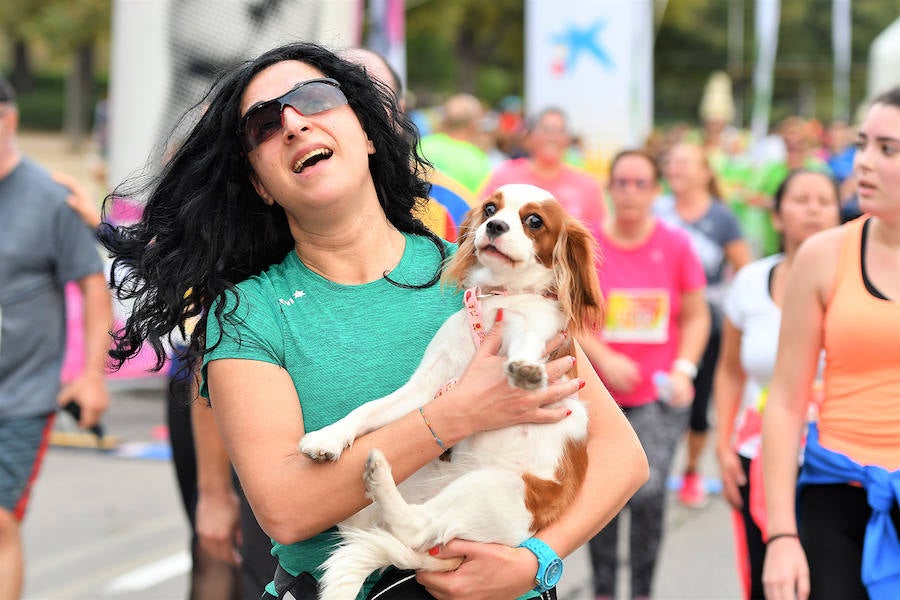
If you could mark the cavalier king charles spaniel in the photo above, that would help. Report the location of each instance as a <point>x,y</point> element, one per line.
<point>519,251</point>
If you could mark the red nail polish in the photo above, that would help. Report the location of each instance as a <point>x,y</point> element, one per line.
<point>581,384</point>
<point>434,551</point>
<point>568,412</point>
<point>499,315</point>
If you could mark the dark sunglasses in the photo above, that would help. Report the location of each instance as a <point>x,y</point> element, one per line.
<point>266,119</point>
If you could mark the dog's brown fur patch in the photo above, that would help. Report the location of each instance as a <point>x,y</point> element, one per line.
<point>547,500</point>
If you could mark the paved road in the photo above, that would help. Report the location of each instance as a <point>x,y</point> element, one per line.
<point>108,525</point>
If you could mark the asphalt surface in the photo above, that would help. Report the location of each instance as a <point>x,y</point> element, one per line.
<point>109,524</point>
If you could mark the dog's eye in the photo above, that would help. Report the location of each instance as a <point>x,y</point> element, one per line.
<point>490,209</point>
<point>533,222</point>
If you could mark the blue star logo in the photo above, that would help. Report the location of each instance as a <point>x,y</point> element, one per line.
<point>580,41</point>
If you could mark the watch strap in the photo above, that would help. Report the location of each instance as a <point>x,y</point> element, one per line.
<point>547,559</point>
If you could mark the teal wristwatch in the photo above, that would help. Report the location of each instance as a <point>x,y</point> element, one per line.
<point>550,566</point>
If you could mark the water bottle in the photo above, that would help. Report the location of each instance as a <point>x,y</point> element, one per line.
<point>663,384</point>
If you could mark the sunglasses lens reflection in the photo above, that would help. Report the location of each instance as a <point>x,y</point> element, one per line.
<point>308,98</point>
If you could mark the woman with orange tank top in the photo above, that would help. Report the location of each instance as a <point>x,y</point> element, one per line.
<point>832,531</point>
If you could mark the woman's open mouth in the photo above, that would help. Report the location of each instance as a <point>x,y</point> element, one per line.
<point>312,158</point>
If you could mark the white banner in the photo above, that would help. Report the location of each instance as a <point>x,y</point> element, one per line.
<point>594,60</point>
<point>768,19</point>
<point>166,53</point>
<point>884,61</point>
<point>841,36</point>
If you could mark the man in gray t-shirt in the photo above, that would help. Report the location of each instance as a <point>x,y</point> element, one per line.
<point>43,245</point>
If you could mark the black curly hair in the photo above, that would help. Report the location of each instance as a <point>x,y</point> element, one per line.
<point>204,227</point>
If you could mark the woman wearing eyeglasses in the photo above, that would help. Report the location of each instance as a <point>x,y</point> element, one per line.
<point>284,222</point>
<point>656,326</point>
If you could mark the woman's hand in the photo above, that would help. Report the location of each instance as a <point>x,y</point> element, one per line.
<point>218,526</point>
<point>487,571</point>
<point>620,372</point>
<point>483,400</point>
<point>786,571</point>
<point>682,389</point>
<point>733,476</point>
<point>89,391</point>
<point>79,200</point>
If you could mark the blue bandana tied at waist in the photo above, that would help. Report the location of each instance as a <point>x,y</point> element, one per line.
<point>881,547</point>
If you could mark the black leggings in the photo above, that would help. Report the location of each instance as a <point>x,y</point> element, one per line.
<point>704,381</point>
<point>832,527</point>
<point>659,428</point>
<point>756,549</point>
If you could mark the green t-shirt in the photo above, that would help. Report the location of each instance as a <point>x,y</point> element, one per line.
<point>342,345</point>
<point>766,179</point>
<point>463,161</point>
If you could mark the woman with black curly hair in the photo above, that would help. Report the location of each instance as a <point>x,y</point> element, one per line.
<point>284,223</point>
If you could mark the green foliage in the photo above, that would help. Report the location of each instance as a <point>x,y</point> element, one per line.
<point>478,47</point>
<point>465,46</point>
<point>42,108</point>
<point>62,24</point>
<point>14,14</point>
<point>690,44</point>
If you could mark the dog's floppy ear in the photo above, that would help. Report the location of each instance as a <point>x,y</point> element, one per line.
<point>460,263</point>
<point>578,288</point>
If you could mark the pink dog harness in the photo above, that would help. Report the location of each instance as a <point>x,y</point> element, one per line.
<point>476,328</point>
<point>473,315</point>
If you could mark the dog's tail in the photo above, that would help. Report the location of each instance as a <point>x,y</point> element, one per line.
<point>364,551</point>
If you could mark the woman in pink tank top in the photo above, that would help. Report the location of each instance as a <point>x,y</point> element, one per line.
<point>844,297</point>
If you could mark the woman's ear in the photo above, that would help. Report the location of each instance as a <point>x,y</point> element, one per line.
<point>261,190</point>
<point>777,223</point>
<point>370,146</point>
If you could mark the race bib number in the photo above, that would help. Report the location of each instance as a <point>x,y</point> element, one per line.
<point>637,316</point>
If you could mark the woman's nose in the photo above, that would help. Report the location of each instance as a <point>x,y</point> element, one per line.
<point>293,121</point>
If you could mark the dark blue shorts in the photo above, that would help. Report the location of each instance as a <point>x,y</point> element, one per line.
<point>23,442</point>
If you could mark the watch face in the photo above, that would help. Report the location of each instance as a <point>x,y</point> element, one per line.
<point>553,572</point>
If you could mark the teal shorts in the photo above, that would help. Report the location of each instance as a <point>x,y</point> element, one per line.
<point>23,443</point>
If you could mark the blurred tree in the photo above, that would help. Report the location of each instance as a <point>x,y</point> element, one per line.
<point>475,46</point>
<point>691,43</point>
<point>465,46</point>
<point>70,29</point>
<point>804,67</point>
<point>13,15</point>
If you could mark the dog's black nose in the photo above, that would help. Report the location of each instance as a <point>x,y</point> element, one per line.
<point>496,228</point>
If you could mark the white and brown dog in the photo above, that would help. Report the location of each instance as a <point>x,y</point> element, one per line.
<point>522,252</point>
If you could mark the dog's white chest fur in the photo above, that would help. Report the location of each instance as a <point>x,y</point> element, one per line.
<point>480,494</point>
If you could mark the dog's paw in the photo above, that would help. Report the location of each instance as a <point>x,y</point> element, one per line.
<point>377,473</point>
<point>326,444</point>
<point>526,375</point>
